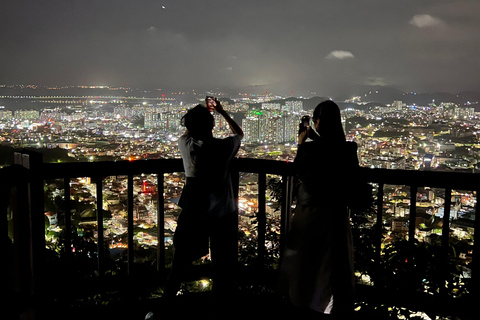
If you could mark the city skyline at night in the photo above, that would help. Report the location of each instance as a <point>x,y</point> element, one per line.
<point>92,95</point>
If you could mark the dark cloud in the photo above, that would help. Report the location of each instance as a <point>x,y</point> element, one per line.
<point>290,45</point>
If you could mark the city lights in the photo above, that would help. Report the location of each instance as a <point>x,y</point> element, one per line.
<point>440,136</point>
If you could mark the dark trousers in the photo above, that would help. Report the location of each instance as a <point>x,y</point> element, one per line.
<point>223,238</point>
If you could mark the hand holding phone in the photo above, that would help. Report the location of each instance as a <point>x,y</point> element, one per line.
<point>306,121</point>
<point>210,103</point>
<point>304,129</point>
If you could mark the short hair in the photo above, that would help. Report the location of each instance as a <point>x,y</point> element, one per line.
<point>198,120</point>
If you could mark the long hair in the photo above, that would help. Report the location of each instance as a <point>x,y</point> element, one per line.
<point>330,127</point>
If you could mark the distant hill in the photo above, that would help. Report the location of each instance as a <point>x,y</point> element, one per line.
<point>461,98</point>
<point>385,95</point>
<point>378,94</point>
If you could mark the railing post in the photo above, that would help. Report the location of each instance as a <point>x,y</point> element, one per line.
<point>10,268</point>
<point>446,220</point>
<point>476,254</point>
<point>378,241</point>
<point>446,234</point>
<point>68,217</point>
<point>34,211</point>
<point>130,200</point>
<point>100,238</point>
<point>287,193</point>
<point>22,274</point>
<point>261,216</point>
<point>413,214</point>
<point>161,222</point>
<point>235,178</point>
<point>412,226</point>
<point>37,217</point>
<point>4,200</point>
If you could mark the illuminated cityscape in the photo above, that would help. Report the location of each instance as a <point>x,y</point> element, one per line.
<point>92,96</point>
<point>438,136</point>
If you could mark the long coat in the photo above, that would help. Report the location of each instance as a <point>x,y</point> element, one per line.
<point>317,266</point>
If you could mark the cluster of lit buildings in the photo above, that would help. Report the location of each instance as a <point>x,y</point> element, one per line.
<point>273,123</point>
<point>394,136</point>
<point>434,137</point>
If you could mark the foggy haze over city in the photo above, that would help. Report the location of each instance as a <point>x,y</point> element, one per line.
<point>328,48</point>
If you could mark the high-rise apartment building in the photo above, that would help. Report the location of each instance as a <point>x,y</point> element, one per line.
<point>270,126</point>
<point>152,120</point>
<point>271,106</point>
<point>291,126</point>
<point>398,105</point>
<point>250,126</point>
<point>52,115</point>
<point>6,114</point>
<point>293,106</point>
<point>26,114</point>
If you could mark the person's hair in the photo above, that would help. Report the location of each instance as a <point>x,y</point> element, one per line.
<point>330,126</point>
<point>198,121</point>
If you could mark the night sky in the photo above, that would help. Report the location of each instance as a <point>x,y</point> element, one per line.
<point>420,45</point>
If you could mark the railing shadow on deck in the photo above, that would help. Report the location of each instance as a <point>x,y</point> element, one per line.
<point>23,199</point>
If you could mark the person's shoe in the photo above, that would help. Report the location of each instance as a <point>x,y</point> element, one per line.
<point>150,316</point>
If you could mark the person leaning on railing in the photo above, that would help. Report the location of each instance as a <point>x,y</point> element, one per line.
<point>316,273</point>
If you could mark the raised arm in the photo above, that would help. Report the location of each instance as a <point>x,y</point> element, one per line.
<point>236,129</point>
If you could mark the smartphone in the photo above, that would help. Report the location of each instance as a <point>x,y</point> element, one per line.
<point>306,120</point>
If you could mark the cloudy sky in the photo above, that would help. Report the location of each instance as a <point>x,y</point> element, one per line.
<point>419,45</point>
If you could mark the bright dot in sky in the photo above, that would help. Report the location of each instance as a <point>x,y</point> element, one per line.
<point>163,7</point>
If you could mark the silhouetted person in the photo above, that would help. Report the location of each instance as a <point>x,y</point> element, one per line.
<point>209,208</point>
<point>316,272</point>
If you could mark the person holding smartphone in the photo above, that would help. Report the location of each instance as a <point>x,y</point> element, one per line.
<point>306,131</point>
<point>316,273</point>
<point>209,216</point>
